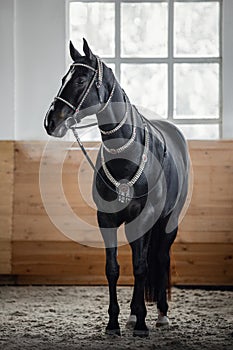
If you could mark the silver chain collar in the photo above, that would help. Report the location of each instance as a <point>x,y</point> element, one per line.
<point>127,144</point>
<point>109,98</point>
<point>122,122</point>
<point>124,147</point>
<point>140,169</point>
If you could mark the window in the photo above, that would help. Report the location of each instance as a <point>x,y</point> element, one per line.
<point>165,53</point>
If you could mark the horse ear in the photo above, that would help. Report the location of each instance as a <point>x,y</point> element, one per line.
<point>74,53</point>
<point>87,50</point>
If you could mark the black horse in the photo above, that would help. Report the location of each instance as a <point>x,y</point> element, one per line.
<point>140,180</point>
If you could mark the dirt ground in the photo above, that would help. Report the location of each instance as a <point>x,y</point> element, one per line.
<point>75,318</point>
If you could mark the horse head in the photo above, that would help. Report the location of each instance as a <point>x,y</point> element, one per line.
<point>82,93</point>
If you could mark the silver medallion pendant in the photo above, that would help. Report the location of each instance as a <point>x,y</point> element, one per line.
<point>125,192</point>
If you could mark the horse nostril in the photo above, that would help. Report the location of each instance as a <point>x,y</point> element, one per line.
<point>51,125</point>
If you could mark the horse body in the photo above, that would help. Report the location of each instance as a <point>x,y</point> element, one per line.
<point>150,207</point>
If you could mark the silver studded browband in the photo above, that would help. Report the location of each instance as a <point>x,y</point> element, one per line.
<point>130,183</point>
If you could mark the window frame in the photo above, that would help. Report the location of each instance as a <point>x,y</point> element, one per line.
<point>170,60</point>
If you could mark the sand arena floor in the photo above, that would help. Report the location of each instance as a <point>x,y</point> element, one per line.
<point>75,318</point>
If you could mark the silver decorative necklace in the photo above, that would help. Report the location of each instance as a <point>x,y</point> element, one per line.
<point>126,145</point>
<point>125,188</point>
<point>109,98</point>
<point>122,122</point>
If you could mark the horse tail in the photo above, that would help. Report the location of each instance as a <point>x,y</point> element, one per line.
<point>158,262</point>
<point>151,286</point>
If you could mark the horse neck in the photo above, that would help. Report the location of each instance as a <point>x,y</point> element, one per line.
<point>118,109</point>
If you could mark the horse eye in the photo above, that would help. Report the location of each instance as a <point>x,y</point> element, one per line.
<point>80,81</point>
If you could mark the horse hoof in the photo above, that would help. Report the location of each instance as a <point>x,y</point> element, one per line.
<point>130,324</point>
<point>162,321</point>
<point>141,333</point>
<point>113,332</point>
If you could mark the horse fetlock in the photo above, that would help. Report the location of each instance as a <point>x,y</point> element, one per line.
<point>113,310</point>
<point>140,312</point>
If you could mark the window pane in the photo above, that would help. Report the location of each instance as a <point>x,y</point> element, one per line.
<point>89,134</point>
<point>196,29</point>
<point>146,85</point>
<point>200,132</point>
<point>196,90</point>
<point>144,30</point>
<point>96,23</point>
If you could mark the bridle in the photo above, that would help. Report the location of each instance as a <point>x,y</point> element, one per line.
<point>98,80</point>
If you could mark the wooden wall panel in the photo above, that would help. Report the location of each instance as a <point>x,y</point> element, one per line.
<point>202,264</point>
<point>68,262</point>
<point>202,253</point>
<point>210,215</point>
<point>6,204</point>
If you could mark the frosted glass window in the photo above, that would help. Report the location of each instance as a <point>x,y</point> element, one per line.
<point>166,54</point>
<point>196,29</point>
<point>146,86</point>
<point>144,29</point>
<point>95,22</point>
<point>200,131</point>
<point>196,91</point>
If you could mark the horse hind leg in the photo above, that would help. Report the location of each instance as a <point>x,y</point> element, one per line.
<point>168,228</point>
<point>162,319</point>
<point>163,263</point>
<point>158,269</point>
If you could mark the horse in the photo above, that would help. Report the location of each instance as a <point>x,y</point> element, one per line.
<point>140,181</point>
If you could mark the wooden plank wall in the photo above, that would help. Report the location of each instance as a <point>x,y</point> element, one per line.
<point>6,205</point>
<point>201,255</point>
<point>204,246</point>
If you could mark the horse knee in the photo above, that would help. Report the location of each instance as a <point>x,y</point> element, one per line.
<point>112,271</point>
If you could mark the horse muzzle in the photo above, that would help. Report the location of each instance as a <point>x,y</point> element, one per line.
<point>55,130</point>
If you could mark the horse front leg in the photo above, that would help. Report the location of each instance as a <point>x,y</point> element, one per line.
<point>138,308</point>
<point>112,273</point>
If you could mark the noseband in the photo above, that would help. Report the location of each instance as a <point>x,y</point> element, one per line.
<point>98,80</point>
